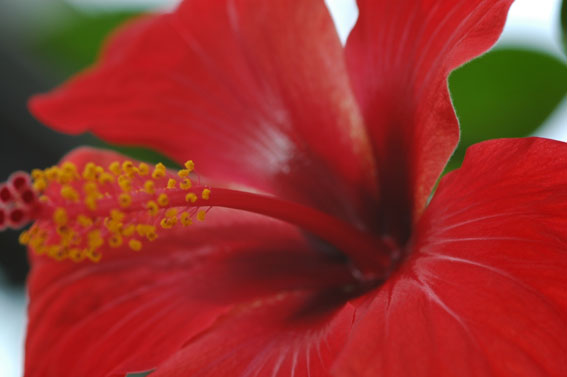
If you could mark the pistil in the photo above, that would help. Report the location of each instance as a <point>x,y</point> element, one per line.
<point>76,214</point>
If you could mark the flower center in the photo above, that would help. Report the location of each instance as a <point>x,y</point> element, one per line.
<point>77,213</point>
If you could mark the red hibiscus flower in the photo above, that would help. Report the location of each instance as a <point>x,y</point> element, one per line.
<point>320,255</point>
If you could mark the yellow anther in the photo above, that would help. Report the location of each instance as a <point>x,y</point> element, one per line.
<point>206,194</point>
<point>158,174</point>
<point>24,238</point>
<point>40,184</point>
<point>44,199</point>
<point>98,171</point>
<point>185,219</point>
<point>90,188</point>
<point>143,229</point>
<point>68,236</point>
<point>76,254</point>
<point>183,173</point>
<point>56,252</point>
<point>185,184</point>
<point>171,183</point>
<point>63,230</point>
<point>112,225</point>
<point>129,230</point>
<point>115,240</point>
<point>190,165</point>
<point>201,215</point>
<point>70,168</point>
<point>125,183</point>
<point>69,193</point>
<point>159,171</point>
<point>125,200</point>
<point>127,167</point>
<point>93,256</point>
<point>84,221</point>
<point>37,240</point>
<point>105,178</point>
<point>149,187</point>
<point>151,235</point>
<point>60,216</point>
<point>172,212</point>
<point>143,168</point>
<point>135,245</point>
<point>191,197</point>
<point>117,215</point>
<point>94,239</point>
<point>152,208</point>
<point>89,172</point>
<point>163,200</point>
<point>165,224</point>
<point>65,178</point>
<point>114,167</point>
<point>90,202</point>
<point>37,174</point>
<point>168,222</point>
<point>52,173</point>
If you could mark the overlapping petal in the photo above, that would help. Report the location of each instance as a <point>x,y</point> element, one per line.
<point>133,310</point>
<point>483,294</point>
<point>399,55</point>
<point>256,92</point>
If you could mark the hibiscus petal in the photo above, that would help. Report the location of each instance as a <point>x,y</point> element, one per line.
<point>133,310</point>
<point>484,292</point>
<point>255,92</point>
<point>399,55</point>
<point>274,337</point>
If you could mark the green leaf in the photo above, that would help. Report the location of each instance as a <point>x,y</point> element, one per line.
<point>75,43</point>
<point>508,92</point>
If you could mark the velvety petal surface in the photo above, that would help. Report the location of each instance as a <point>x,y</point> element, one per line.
<point>133,310</point>
<point>483,293</point>
<point>399,55</point>
<point>256,92</point>
<point>286,335</point>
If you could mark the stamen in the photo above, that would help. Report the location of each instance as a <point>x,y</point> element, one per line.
<point>77,214</point>
<point>124,206</point>
<point>171,183</point>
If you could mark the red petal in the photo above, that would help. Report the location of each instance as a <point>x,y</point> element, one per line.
<point>255,92</point>
<point>274,337</point>
<point>399,55</point>
<point>484,292</point>
<point>133,310</point>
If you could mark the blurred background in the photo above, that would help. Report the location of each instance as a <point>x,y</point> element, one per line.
<point>518,89</point>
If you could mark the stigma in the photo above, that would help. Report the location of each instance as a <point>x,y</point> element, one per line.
<point>78,213</point>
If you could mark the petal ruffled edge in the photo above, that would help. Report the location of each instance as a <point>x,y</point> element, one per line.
<point>399,56</point>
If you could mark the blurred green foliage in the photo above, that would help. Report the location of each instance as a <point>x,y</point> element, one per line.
<point>75,44</point>
<point>509,92</point>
